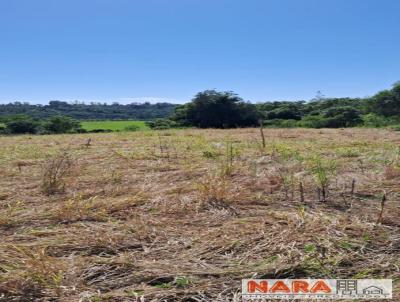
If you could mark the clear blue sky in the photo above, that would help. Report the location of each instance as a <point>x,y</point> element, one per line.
<point>121,50</point>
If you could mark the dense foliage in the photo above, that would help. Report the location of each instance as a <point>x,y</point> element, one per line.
<point>161,124</point>
<point>226,110</point>
<point>93,111</point>
<point>23,124</point>
<point>386,103</point>
<point>213,109</point>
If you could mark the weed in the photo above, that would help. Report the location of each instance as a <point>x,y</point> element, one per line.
<point>216,192</point>
<point>345,245</point>
<point>210,154</point>
<point>227,164</point>
<point>348,152</point>
<point>116,177</point>
<point>288,185</point>
<point>310,248</point>
<point>54,172</point>
<point>182,282</point>
<point>367,237</point>
<point>363,274</point>
<point>286,152</point>
<point>79,209</point>
<point>163,285</point>
<point>213,189</point>
<point>36,267</point>
<point>7,218</point>
<point>391,172</point>
<point>322,171</point>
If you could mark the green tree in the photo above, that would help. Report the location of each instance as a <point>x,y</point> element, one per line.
<point>286,111</point>
<point>313,121</point>
<point>21,124</point>
<point>214,109</point>
<point>374,120</point>
<point>344,116</point>
<point>61,124</point>
<point>386,102</point>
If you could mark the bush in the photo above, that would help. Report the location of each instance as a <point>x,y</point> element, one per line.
<point>21,125</point>
<point>281,123</point>
<point>100,131</point>
<point>161,124</point>
<point>374,120</point>
<point>386,102</point>
<point>288,112</point>
<point>313,121</point>
<point>344,116</point>
<point>61,124</point>
<point>132,128</point>
<point>3,129</point>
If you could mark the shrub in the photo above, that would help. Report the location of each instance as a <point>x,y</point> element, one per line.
<point>160,124</point>
<point>374,120</point>
<point>386,102</point>
<point>132,128</point>
<point>313,121</point>
<point>280,123</point>
<point>343,116</point>
<point>61,124</point>
<point>322,170</point>
<point>21,125</point>
<point>288,112</point>
<point>100,131</point>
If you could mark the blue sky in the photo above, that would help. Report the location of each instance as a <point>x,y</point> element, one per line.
<point>127,50</point>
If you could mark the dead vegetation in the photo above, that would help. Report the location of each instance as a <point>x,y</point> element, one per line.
<point>185,215</point>
<point>55,169</point>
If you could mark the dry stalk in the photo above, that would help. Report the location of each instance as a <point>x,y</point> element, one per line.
<point>353,186</point>
<point>262,133</point>
<point>383,203</point>
<point>301,189</point>
<point>54,172</point>
<point>88,143</point>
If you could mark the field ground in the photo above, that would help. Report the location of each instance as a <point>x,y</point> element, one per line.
<point>184,215</point>
<point>112,125</point>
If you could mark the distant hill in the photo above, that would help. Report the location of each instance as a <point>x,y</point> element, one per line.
<point>92,111</point>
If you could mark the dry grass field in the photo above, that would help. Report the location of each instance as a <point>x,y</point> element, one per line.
<point>184,215</point>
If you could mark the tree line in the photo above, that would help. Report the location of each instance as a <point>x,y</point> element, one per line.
<point>23,124</point>
<point>92,111</point>
<point>211,109</point>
